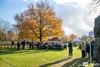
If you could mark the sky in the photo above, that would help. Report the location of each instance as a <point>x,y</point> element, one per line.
<point>74,13</point>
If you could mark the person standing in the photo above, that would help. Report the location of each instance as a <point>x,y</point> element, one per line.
<point>38,45</point>
<point>18,45</point>
<point>23,44</point>
<point>83,49</point>
<point>32,44</point>
<point>46,45</point>
<point>92,49</point>
<point>88,48</point>
<point>70,48</point>
<point>12,44</point>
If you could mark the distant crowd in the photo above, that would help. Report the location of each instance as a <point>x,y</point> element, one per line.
<point>87,48</point>
<point>39,45</point>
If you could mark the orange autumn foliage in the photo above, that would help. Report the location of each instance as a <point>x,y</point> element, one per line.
<point>39,22</point>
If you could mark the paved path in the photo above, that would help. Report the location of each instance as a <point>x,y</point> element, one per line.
<point>69,62</point>
<point>65,63</point>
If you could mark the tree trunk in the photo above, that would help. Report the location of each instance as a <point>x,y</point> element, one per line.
<point>40,35</point>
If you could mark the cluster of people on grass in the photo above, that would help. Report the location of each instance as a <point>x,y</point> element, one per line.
<point>40,45</point>
<point>87,48</point>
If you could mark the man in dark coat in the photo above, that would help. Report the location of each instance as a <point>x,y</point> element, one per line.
<point>12,44</point>
<point>92,48</point>
<point>23,44</point>
<point>70,49</point>
<point>88,48</point>
<point>38,45</point>
<point>18,45</point>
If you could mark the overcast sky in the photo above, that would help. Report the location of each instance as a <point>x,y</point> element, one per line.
<point>74,13</point>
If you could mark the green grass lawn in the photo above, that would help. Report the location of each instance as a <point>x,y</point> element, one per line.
<point>10,57</point>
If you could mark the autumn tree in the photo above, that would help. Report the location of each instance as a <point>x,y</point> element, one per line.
<point>65,38</point>
<point>38,21</point>
<point>72,37</point>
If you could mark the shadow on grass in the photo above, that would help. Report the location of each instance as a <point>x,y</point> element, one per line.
<point>14,50</point>
<point>26,51</point>
<point>48,64</point>
<point>76,62</point>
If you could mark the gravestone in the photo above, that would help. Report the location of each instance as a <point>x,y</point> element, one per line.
<point>97,41</point>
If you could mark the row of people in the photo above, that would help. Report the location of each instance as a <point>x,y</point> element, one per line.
<point>40,45</point>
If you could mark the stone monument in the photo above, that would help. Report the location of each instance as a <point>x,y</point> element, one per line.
<point>97,41</point>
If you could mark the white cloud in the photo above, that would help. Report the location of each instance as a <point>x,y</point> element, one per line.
<point>74,18</point>
<point>81,3</point>
<point>67,30</point>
